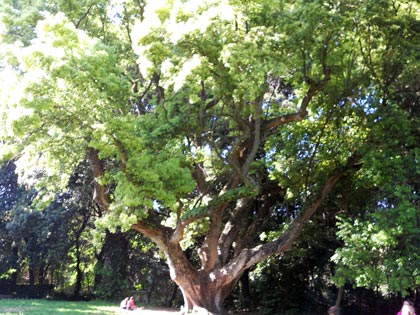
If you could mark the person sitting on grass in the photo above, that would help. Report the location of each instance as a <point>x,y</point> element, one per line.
<point>124,304</point>
<point>131,305</point>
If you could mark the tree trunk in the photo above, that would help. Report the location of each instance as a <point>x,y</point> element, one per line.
<point>79,273</point>
<point>42,273</point>
<point>199,289</point>
<point>170,302</point>
<point>151,287</point>
<point>201,293</point>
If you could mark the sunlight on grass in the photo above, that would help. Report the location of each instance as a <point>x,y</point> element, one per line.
<point>44,307</point>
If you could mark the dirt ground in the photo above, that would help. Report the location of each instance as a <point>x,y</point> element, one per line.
<point>147,311</point>
<point>162,311</point>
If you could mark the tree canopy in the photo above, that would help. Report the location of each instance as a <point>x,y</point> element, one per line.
<point>205,121</point>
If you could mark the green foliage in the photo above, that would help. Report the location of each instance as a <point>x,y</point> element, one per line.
<point>380,251</point>
<point>111,278</point>
<point>63,76</point>
<point>300,279</point>
<point>112,285</point>
<point>207,80</point>
<point>21,18</point>
<point>381,235</point>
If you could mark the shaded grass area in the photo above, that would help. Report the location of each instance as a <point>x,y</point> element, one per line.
<point>45,307</point>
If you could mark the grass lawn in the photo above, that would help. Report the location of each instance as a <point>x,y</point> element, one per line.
<point>45,307</point>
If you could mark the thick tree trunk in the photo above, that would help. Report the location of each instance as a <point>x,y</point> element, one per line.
<point>202,293</point>
<point>170,302</point>
<point>42,273</point>
<point>31,274</point>
<point>200,289</point>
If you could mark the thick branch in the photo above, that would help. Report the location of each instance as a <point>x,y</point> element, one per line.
<point>100,193</point>
<point>232,228</point>
<point>178,233</point>
<point>233,162</point>
<point>314,88</point>
<point>200,177</point>
<point>302,113</point>
<point>180,267</point>
<point>156,232</point>
<point>250,233</point>
<point>250,257</point>
<point>208,251</point>
<point>257,137</point>
<point>238,229</point>
<point>123,153</point>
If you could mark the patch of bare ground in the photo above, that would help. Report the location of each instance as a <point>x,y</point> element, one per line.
<point>148,311</point>
<point>168,311</point>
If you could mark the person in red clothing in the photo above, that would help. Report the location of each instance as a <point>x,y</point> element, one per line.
<point>407,309</point>
<point>131,305</point>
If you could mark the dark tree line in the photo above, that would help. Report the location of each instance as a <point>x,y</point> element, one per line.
<point>58,246</point>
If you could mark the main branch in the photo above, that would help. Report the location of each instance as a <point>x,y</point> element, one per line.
<point>251,256</point>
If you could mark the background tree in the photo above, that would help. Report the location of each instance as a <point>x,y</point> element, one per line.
<point>381,233</point>
<point>54,246</point>
<point>9,192</point>
<point>232,112</point>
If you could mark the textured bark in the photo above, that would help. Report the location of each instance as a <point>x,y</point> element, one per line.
<point>100,193</point>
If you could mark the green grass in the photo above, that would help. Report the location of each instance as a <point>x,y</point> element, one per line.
<point>45,307</point>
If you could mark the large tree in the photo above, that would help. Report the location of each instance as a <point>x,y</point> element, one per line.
<point>202,121</point>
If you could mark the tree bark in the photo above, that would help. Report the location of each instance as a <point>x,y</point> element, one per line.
<point>207,288</point>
